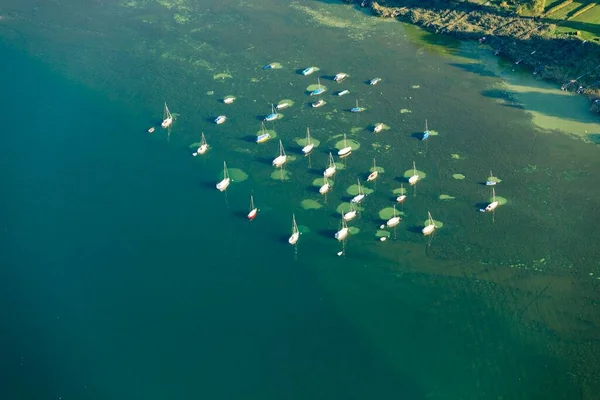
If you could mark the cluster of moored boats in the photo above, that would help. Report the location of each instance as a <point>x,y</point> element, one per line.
<point>346,149</point>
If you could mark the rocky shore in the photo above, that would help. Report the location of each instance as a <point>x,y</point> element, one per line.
<point>565,59</point>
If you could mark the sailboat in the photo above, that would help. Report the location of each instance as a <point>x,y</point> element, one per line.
<point>343,93</point>
<point>490,180</point>
<point>350,215</point>
<point>273,116</point>
<point>346,150</point>
<point>167,118</point>
<point>295,232</point>
<point>319,90</point>
<point>430,227</point>
<point>264,135</point>
<point>222,186</point>
<point>220,119</point>
<point>283,105</point>
<point>340,77</point>
<point>373,175</point>
<point>318,103</point>
<point>331,168</point>
<point>378,127</point>
<point>309,144</point>
<point>415,177</point>
<point>395,220</point>
<point>425,132</point>
<point>360,196</point>
<point>203,146</point>
<point>325,188</point>
<point>343,232</point>
<point>308,71</point>
<point>357,108</point>
<point>374,81</point>
<point>402,197</point>
<point>281,158</point>
<point>492,206</point>
<point>253,209</point>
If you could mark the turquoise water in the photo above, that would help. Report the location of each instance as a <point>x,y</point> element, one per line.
<point>127,275</point>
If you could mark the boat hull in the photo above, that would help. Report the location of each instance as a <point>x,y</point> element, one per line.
<point>349,216</point>
<point>294,238</point>
<point>372,176</point>
<point>220,119</point>
<point>317,92</point>
<point>308,71</point>
<point>167,123</point>
<point>324,189</point>
<point>202,149</point>
<point>271,117</point>
<point>341,234</point>
<point>413,179</point>
<point>228,100</point>
<point>318,104</point>
<point>491,207</point>
<point>343,93</point>
<point>307,149</point>
<point>263,138</point>
<point>392,222</point>
<point>345,151</point>
<point>357,199</point>
<point>223,185</point>
<point>401,198</point>
<point>329,172</point>
<point>378,128</point>
<point>282,106</point>
<point>252,214</point>
<point>279,161</point>
<point>428,230</point>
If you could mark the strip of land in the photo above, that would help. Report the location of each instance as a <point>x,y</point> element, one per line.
<point>559,40</point>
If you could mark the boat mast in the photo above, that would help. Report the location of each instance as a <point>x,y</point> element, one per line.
<point>225,172</point>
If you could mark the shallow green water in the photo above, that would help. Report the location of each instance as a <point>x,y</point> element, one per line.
<point>129,276</point>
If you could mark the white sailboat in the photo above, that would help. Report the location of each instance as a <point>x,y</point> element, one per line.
<point>402,197</point>
<point>414,177</point>
<point>281,158</point>
<point>395,220</point>
<point>373,175</point>
<point>340,77</point>
<point>378,127</point>
<point>229,100</point>
<point>167,118</point>
<point>350,215</point>
<point>253,209</point>
<point>430,227</point>
<point>331,168</point>
<point>222,186</point>
<point>360,196</point>
<point>343,232</point>
<point>325,188</point>
<point>346,150</point>
<point>318,103</point>
<point>490,180</point>
<point>220,119</point>
<point>309,144</point>
<point>295,232</point>
<point>492,206</point>
<point>283,105</point>
<point>203,146</point>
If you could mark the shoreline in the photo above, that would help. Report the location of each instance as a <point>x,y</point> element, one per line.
<point>563,59</point>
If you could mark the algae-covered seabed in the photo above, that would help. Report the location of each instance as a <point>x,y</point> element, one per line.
<point>498,304</point>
